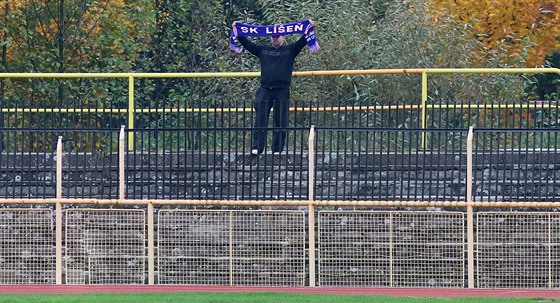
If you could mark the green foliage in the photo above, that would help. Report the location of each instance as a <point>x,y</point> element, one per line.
<point>63,37</point>
<point>375,35</point>
<point>189,37</point>
<point>546,86</point>
<point>192,36</point>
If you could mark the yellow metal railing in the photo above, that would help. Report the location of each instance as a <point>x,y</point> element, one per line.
<point>131,110</point>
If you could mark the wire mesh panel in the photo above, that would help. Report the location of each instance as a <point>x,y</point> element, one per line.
<point>269,248</point>
<point>396,249</point>
<point>518,250</point>
<point>194,247</point>
<point>354,248</point>
<point>554,250</point>
<point>27,251</point>
<point>105,246</point>
<point>428,249</point>
<point>263,248</point>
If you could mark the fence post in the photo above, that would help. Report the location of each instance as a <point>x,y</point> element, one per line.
<point>151,253</point>
<point>470,215</point>
<point>122,176</point>
<point>58,210</point>
<point>423,105</point>
<point>131,112</point>
<point>311,210</point>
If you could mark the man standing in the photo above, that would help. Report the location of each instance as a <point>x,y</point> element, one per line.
<point>277,64</point>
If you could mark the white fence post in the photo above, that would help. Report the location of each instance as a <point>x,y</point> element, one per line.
<point>470,215</point>
<point>122,176</point>
<point>311,212</point>
<point>58,223</point>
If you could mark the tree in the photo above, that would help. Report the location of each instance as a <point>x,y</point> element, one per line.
<point>546,86</point>
<point>189,37</point>
<point>46,36</point>
<point>70,36</point>
<point>373,34</point>
<point>516,32</point>
<point>74,35</point>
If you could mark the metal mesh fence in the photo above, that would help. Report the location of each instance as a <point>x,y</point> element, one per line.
<point>90,163</point>
<point>268,248</point>
<point>27,254</point>
<point>105,246</point>
<point>518,250</point>
<point>193,247</point>
<point>389,164</point>
<point>265,248</point>
<point>429,249</point>
<point>160,168</point>
<point>517,165</point>
<point>349,164</point>
<point>27,174</point>
<point>391,249</point>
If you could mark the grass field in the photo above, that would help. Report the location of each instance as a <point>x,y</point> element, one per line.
<point>245,298</point>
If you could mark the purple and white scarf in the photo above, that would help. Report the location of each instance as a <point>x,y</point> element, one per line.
<point>299,27</point>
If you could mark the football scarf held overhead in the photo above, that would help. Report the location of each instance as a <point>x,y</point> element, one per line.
<point>299,27</point>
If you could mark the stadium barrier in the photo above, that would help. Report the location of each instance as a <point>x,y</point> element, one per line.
<point>440,243</point>
<point>341,229</point>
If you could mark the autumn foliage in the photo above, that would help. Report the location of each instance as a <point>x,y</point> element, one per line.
<point>71,35</point>
<point>517,32</point>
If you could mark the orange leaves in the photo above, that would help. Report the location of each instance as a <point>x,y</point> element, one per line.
<point>508,30</point>
<point>12,4</point>
<point>75,34</point>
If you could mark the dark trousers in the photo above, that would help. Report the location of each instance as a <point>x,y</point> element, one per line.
<point>266,99</point>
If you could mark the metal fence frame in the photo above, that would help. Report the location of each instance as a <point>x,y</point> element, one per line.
<point>311,204</point>
<point>132,111</point>
<point>356,248</point>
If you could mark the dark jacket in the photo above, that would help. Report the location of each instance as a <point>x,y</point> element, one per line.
<point>277,64</point>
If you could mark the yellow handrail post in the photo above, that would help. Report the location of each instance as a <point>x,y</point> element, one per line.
<point>131,112</point>
<point>423,105</point>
